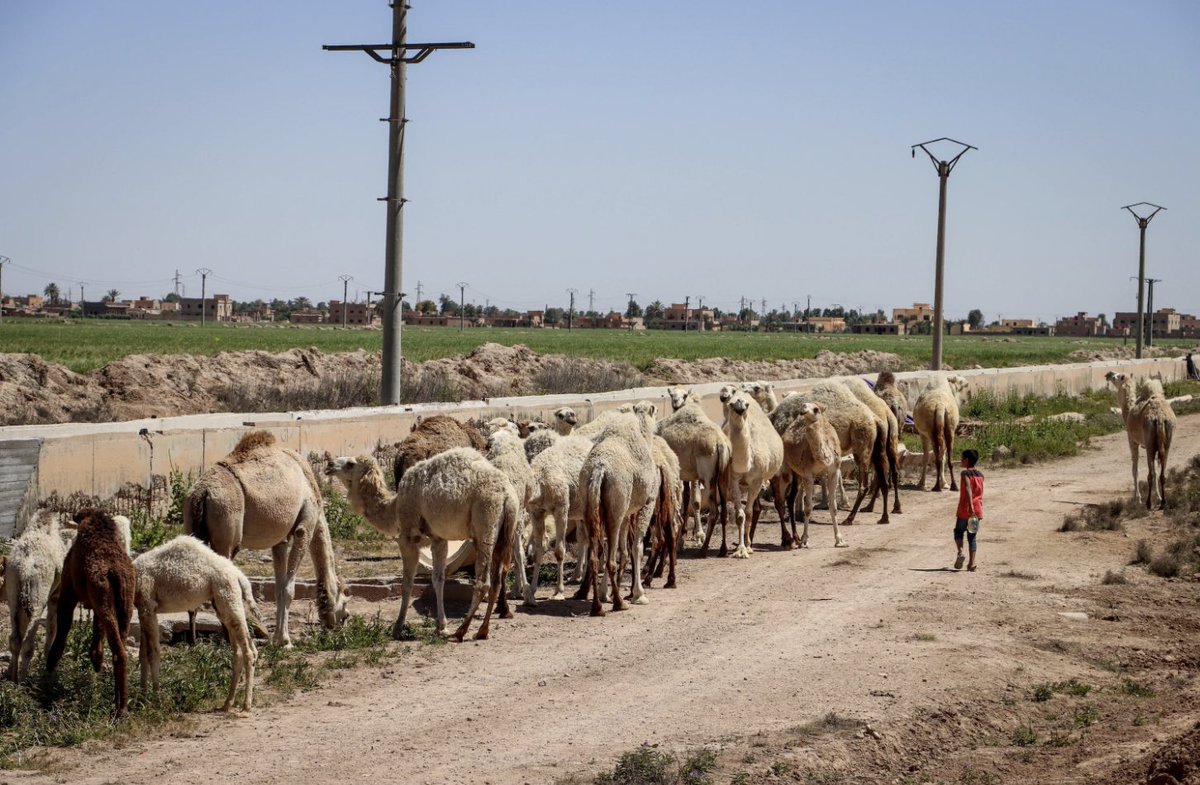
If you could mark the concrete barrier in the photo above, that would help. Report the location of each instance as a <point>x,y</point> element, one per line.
<point>99,458</point>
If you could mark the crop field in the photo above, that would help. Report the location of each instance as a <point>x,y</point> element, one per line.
<point>86,346</point>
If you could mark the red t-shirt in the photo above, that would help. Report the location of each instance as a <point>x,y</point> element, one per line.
<point>970,494</point>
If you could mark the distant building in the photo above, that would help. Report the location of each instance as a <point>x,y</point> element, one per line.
<point>355,313</point>
<point>218,308</point>
<point>826,324</point>
<point>879,328</point>
<point>417,319</point>
<point>920,312</point>
<point>680,317</point>
<point>1080,326</point>
<point>307,316</point>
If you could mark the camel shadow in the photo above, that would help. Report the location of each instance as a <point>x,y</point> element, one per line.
<point>933,569</point>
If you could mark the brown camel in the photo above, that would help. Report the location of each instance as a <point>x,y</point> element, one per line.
<point>97,574</point>
<point>434,435</point>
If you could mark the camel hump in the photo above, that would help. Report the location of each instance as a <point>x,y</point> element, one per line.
<point>249,443</point>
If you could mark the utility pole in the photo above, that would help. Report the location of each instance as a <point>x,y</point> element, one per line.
<point>177,281</point>
<point>418,292</point>
<point>591,299</point>
<point>203,272</point>
<point>345,279</point>
<point>462,304</point>
<point>1150,310</point>
<point>943,169</point>
<point>3,261</point>
<point>397,56</point>
<point>81,294</point>
<point>741,307</point>
<point>629,310</point>
<point>571,309</point>
<point>1142,222</point>
<point>687,306</point>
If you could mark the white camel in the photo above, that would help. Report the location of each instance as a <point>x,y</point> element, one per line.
<point>262,495</point>
<point>704,456</point>
<point>455,495</point>
<point>936,417</point>
<point>31,571</point>
<point>1150,425</point>
<point>757,455</point>
<point>183,574</point>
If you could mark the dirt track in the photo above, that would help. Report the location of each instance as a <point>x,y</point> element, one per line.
<point>743,648</point>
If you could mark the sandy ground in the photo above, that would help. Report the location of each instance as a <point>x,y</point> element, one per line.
<point>939,663</point>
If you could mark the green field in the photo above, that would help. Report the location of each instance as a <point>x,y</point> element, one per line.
<point>85,346</point>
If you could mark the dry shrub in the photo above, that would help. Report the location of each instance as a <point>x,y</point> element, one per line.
<point>574,376</point>
<point>1143,553</point>
<point>330,392</point>
<point>1106,516</point>
<point>1111,578</point>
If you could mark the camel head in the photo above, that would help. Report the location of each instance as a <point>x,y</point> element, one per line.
<point>727,393</point>
<point>349,470</point>
<point>740,404</point>
<point>810,411</point>
<point>1116,379</point>
<point>646,413</point>
<point>565,419</point>
<point>679,396</point>
<point>625,408</point>
<point>500,424</point>
<point>333,611</point>
<point>885,379</point>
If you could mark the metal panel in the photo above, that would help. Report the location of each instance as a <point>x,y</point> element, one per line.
<point>18,483</point>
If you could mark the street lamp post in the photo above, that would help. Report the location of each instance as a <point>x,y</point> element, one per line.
<point>944,168</point>
<point>1142,222</point>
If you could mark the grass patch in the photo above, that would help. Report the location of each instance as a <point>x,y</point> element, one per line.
<point>87,345</point>
<point>649,766</point>
<point>1046,690</point>
<point>1020,575</point>
<point>1135,689</point>
<point>425,632</point>
<point>1086,716</point>
<point>1143,553</point>
<point>1024,736</point>
<point>1106,516</point>
<point>1114,578</point>
<point>926,637</point>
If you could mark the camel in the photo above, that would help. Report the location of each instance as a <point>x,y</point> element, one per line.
<point>31,572</point>
<point>97,573</point>
<point>619,485</point>
<point>886,418</point>
<point>704,455</point>
<point>812,450</point>
<point>183,574</point>
<point>259,496</point>
<point>506,452</point>
<point>858,430</point>
<point>757,456</point>
<point>455,495</point>
<point>936,417</point>
<point>1150,424</point>
<point>888,389</point>
<point>565,420</point>
<point>664,531</point>
<point>556,473</point>
<point>433,435</point>
<point>763,392</point>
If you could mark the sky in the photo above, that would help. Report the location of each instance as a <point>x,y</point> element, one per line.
<point>758,149</point>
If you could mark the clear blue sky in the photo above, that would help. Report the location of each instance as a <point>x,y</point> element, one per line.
<point>758,148</point>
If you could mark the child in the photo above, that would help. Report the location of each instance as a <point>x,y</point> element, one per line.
<point>970,505</point>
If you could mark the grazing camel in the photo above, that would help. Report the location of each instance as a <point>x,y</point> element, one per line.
<point>619,484</point>
<point>1150,424</point>
<point>506,452</point>
<point>433,435</point>
<point>31,572</point>
<point>888,389</point>
<point>98,574</point>
<point>757,456</point>
<point>812,450</point>
<point>259,496</point>
<point>455,495</point>
<point>665,530</point>
<point>704,455</point>
<point>183,574</point>
<point>936,417</point>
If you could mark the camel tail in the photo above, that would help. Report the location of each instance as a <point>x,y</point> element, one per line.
<point>506,535</point>
<point>195,520</point>
<point>939,431</point>
<point>593,514</point>
<point>253,619</point>
<point>878,453</point>
<point>122,610</point>
<point>724,479</point>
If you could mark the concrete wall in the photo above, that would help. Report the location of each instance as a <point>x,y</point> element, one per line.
<point>98,458</point>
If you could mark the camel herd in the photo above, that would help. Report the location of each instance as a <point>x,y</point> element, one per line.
<point>626,486</point>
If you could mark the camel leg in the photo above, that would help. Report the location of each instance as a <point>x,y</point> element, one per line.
<point>520,583</point>
<point>642,522</point>
<point>1151,480</point>
<point>583,567</point>
<point>593,552</point>
<point>408,554</point>
<point>925,448</point>
<point>538,533</point>
<point>62,607</point>
<point>283,594</point>
<point>862,492</point>
<point>793,491</point>
<point>484,553</point>
<point>708,533</point>
<point>939,455</point>
<point>560,551</point>
<point>440,550</point>
<point>96,650</point>
<point>838,541</point>
<point>148,647</point>
<point>808,491</point>
<point>28,644</point>
<point>780,485</point>
<point>948,438</point>
<point>1133,457</point>
<point>611,556</point>
<point>739,505</point>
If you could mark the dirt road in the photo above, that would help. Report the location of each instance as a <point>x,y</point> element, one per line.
<point>881,631</point>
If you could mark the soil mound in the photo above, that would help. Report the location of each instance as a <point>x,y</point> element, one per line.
<point>142,385</point>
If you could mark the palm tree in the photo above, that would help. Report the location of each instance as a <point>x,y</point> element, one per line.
<point>51,292</point>
<point>112,295</point>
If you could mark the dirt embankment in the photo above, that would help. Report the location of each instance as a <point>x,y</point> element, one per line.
<point>34,391</point>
